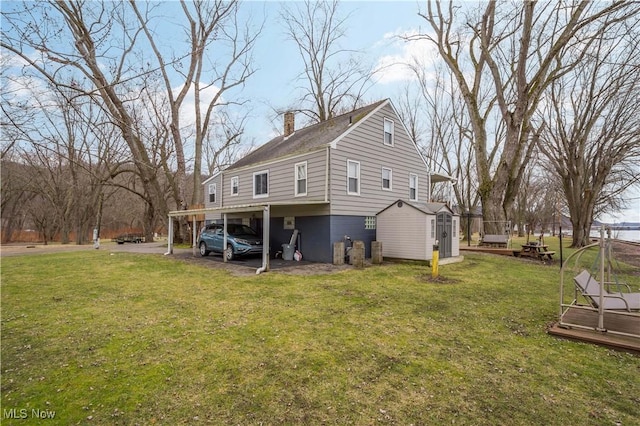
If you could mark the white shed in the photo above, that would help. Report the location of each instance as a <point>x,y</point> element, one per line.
<point>409,230</point>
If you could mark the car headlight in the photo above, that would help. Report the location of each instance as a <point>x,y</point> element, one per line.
<point>241,241</point>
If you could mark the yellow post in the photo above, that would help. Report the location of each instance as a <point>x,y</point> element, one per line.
<point>434,260</point>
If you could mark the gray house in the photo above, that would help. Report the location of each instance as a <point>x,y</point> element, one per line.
<point>327,180</point>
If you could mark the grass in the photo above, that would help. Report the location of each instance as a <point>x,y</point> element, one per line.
<point>142,339</point>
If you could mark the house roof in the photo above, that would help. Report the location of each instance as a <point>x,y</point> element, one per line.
<point>306,139</point>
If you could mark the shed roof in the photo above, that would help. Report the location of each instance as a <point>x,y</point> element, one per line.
<point>426,208</point>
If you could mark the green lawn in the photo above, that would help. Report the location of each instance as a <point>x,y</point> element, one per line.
<point>144,339</point>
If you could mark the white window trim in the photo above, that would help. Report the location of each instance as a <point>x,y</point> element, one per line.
<point>295,179</point>
<point>384,140</point>
<point>417,186</point>
<point>262,172</point>
<point>213,190</point>
<point>357,177</point>
<point>235,179</point>
<point>390,188</point>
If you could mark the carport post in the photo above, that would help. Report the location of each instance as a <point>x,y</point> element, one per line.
<point>195,235</point>
<point>170,237</point>
<point>224,237</point>
<point>265,240</point>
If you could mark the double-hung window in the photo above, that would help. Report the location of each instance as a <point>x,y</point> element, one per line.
<point>413,187</point>
<point>353,177</point>
<point>235,185</point>
<point>386,178</point>
<point>261,184</point>
<point>212,192</point>
<point>300,171</point>
<point>388,132</point>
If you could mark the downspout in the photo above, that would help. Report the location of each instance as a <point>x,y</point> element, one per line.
<point>429,187</point>
<point>221,190</point>
<point>224,237</point>
<point>265,240</point>
<point>195,235</point>
<point>326,176</point>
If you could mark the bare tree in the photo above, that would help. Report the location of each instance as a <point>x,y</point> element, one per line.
<point>210,27</point>
<point>102,44</point>
<point>334,80</point>
<point>503,59</point>
<point>434,113</point>
<point>592,132</point>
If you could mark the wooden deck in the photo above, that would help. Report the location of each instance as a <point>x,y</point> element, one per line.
<point>485,249</point>
<point>612,323</point>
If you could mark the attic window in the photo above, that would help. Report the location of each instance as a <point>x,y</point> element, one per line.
<point>388,132</point>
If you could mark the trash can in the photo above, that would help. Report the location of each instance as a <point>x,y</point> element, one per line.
<point>287,251</point>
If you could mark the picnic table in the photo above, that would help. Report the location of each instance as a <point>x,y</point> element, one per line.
<point>535,250</point>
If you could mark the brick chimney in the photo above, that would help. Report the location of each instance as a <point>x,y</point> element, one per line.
<point>289,123</point>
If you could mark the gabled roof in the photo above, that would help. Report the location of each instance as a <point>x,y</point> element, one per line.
<point>308,138</point>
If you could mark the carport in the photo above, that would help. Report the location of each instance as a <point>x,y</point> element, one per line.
<point>264,208</point>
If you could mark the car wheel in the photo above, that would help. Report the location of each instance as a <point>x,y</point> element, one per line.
<point>203,249</point>
<point>229,252</point>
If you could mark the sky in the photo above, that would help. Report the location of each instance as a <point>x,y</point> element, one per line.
<point>373,27</point>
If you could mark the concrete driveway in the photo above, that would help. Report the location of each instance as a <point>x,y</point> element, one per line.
<point>240,266</point>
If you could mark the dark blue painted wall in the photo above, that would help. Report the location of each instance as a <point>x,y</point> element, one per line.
<point>353,226</point>
<point>316,235</point>
<point>313,237</point>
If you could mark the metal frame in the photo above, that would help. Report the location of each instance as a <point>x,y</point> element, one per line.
<point>265,208</point>
<point>605,274</point>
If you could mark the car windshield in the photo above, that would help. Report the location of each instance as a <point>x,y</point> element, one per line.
<point>240,230</point>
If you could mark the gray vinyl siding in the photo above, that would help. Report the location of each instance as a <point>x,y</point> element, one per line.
<point>219,194</point>
<point>209,217</point>
<point>281,181</point>
<point>365,145</point>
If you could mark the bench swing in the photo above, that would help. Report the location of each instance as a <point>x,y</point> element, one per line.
<point>600,302</point>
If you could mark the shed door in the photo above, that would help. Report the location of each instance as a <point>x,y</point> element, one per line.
<point>443,233</point>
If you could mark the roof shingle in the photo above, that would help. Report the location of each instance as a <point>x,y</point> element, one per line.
<point>306,139</point>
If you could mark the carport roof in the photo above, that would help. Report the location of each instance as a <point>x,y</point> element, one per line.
<point>241,208</point>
